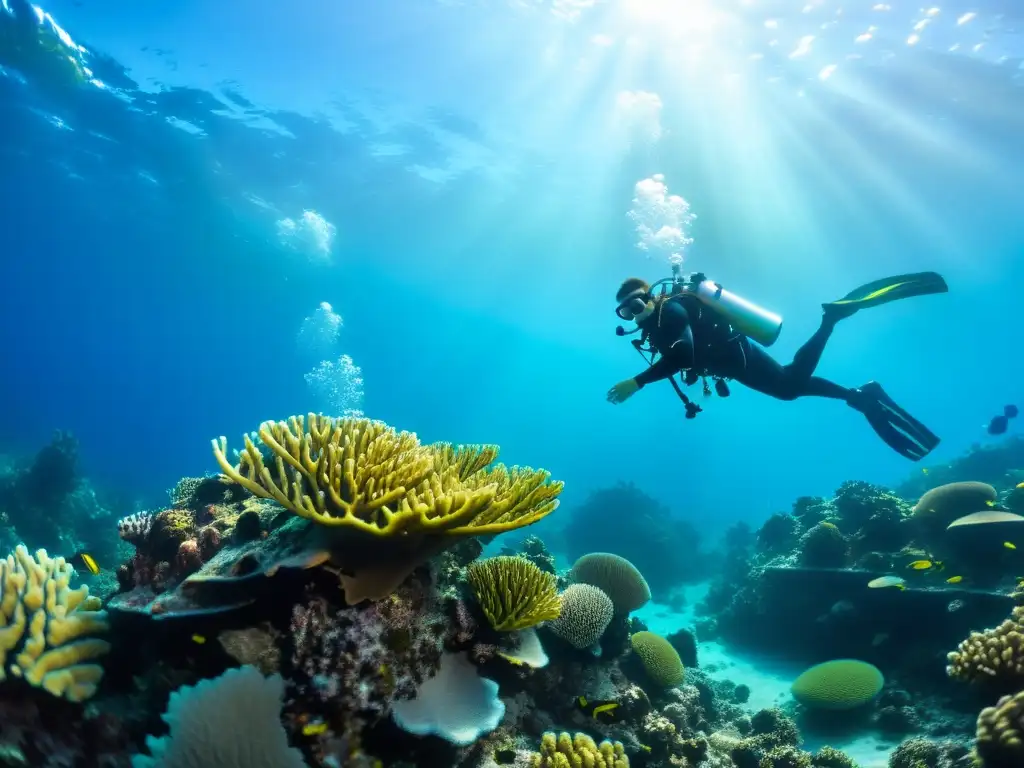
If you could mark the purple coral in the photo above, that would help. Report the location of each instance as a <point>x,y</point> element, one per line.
<point>366,657</point>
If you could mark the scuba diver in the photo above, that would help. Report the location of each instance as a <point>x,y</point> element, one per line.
<point>699,328</point>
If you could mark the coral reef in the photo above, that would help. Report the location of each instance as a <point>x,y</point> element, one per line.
<point>406,501</point>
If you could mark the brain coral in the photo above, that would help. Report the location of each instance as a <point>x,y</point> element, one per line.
<point>586,612</point>
<point>47,628</point>
<point>616,577</point>
<point>659,658</point>
<point>839,684</point>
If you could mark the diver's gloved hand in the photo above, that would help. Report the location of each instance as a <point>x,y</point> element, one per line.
<point>623,391</point>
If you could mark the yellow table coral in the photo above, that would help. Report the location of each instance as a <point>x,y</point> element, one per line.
<point>46,628</point>
<point>365,477</point>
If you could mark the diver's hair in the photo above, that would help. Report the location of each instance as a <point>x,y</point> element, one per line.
<point>629,285</point>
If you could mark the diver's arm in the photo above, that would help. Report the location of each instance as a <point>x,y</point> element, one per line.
<point>679,354</point>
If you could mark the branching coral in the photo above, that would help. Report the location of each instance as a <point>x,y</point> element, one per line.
<point>995,656</point>
<point>579,751</point>
<point>47,628</point>
<point>363,477</point>
<point>513,592</point>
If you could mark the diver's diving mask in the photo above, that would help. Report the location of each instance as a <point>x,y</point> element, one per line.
<point>634,304</point>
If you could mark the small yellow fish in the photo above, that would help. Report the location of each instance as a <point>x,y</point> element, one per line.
<point>313,729</point>
<point>84,560</point>
<point>198,639</point>
<point>604,708</point>
<point>924,470</point>
<point>1020,485</point>
<point>954,579</point>
<point>1008,545</point>
<point>924,565</point>
<point>990,503</point>
<point>645,748</point>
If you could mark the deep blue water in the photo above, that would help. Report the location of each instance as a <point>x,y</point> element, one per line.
<point>477,161</point>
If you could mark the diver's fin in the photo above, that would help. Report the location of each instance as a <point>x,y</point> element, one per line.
<point>901,431</point>
<point>888,289</point>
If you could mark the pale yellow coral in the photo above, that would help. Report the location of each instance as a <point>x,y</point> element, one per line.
<point>993,654</point>
<point>579,751</point>
<point>366,476</point>
<point>48,630</point>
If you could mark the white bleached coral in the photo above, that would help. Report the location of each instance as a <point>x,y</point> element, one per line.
<point>231,721</point>
<point>48,630</point>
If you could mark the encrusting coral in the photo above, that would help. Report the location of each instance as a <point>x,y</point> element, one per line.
<point>47,629</point>
<point>364,477</point>
<point>995,656</point>
<point>513,592</point>
<point>579,751</point>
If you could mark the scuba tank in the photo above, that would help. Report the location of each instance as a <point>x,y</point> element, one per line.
<point>744,316</point>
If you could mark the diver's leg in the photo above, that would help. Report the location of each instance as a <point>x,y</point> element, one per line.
<point>758,370</point>
<point>806,359</point>
<point>753,367</point>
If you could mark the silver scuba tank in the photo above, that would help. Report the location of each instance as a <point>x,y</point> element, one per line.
<point>744,316</point>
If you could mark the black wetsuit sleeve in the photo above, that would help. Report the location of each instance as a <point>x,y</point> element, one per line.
<point>674,340</point>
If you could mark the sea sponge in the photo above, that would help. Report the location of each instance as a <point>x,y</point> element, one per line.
<point>616,577</point>
<point>660,659</point>
<point>838,684</point>
<point>995,655</point>
<point>47,629</point>
<point>366,478</point>
<point>586,612</point>
<point>1000,733</point>
<point>513,592</point>
<point>579,751</point>
<point>231,721</point>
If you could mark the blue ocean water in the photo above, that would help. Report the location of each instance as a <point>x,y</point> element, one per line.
<point>183,184</point>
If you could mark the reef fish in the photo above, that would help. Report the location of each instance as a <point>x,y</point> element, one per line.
<point>1009,545</point>
<point>887,581</point>
<point>604,710</point>
<point>924,565</point>
<point>1001,423</point>
<point>954,579</point>
<point>83,561</point>
<point>955,605</point>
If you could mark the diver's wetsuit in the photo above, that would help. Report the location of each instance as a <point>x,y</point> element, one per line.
<point>689,336</point>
